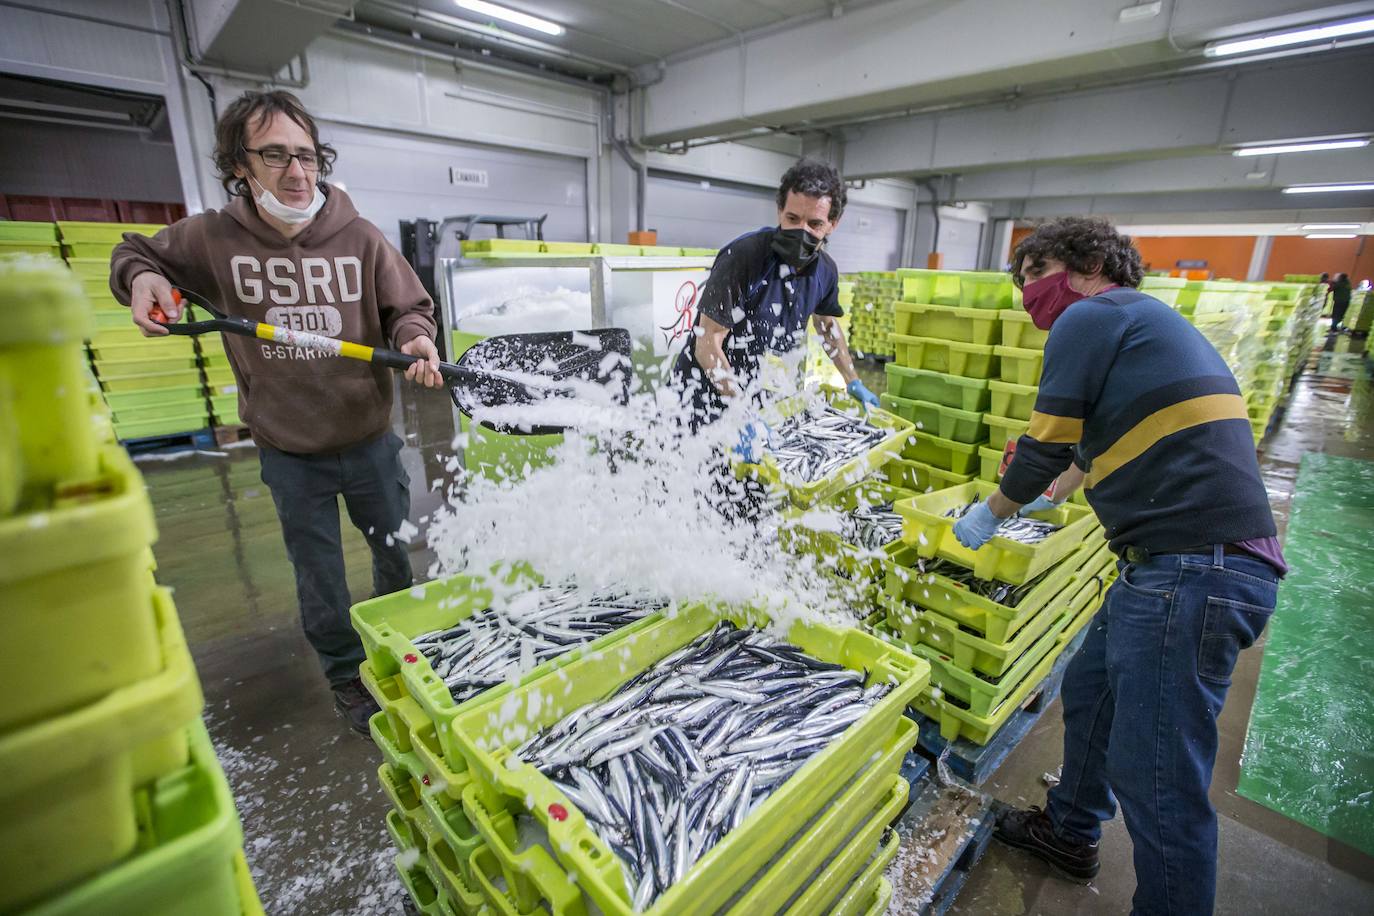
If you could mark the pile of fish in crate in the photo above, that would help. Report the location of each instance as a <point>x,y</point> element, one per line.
<point>550,749</point>
<point>112,799</point>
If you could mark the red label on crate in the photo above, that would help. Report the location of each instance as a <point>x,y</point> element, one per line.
<point>558,812</point>
<point>411,658</point>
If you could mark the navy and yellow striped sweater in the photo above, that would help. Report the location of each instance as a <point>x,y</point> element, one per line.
<point>1139,399</point>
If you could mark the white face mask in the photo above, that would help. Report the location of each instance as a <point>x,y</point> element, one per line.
<point>292,216</point>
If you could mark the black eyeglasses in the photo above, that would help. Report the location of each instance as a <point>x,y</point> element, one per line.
<point>275,157</point>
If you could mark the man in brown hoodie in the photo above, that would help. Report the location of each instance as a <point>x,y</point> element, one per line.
<point>292,251</point>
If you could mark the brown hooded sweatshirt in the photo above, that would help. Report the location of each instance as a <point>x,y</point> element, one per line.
<point>339,277</point>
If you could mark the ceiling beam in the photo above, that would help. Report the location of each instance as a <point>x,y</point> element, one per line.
<point>888,56</point>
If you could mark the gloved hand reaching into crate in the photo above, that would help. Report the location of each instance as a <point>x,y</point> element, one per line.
<point>859,392</point>
<point>977,526</point>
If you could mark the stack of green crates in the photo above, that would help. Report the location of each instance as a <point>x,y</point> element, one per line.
<point>18,237</point>
<point>112,800</point>
<point>992,623</point>
<point>463,803</point>
<point>949,349</point>
<point>495,249</point>
<point>221,386</point>
<point>871,316</point>
<point>152,384</point>
<point>1361,314</point>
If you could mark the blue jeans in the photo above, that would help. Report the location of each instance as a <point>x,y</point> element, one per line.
<point>1141,700</point>
<point>306,489</point>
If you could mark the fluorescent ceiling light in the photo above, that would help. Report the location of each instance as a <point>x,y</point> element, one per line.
<point>1313,146</point>
<point>1330,235</point>
<point>1328,227</point>
<point>512,16</point>
<point>1329,188</point>
<point>1288,38</point>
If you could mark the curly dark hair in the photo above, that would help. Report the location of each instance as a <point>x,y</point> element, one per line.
<point>814,179</point>
<point>231,134</point>
<point>1083,244</point>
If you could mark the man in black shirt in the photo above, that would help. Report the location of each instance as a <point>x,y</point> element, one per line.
<point>763,288</point>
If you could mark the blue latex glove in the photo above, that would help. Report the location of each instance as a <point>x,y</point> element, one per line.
<point>859,392</point>
<point>1041,503</point>
<point>753,439</point>
<point>977,526</point>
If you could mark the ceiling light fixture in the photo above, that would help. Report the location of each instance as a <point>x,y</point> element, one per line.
<point>1330,235</point>
<point>515,17</point>
<point>1330,188</point>
<point>1289,38</point>
<point>1311,146</point>
<point>1328,227</point>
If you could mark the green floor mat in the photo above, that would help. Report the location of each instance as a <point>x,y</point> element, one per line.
<point>1309,751</point>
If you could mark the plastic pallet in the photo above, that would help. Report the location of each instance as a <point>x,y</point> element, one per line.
<point>976,763</point>
<point>956,824</point>
<point>196,439</point>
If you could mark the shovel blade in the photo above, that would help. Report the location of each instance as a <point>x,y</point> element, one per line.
<point>517,369</point>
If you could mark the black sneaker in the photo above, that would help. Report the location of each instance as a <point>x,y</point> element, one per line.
<point>355,704</point>
<point>1030,829</point>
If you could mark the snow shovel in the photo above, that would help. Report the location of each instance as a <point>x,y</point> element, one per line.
<point>509,369</point>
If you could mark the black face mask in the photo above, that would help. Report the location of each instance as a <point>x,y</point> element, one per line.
<point>796,247</point>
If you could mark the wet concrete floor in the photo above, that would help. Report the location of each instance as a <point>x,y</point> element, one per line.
<point>307,787</point>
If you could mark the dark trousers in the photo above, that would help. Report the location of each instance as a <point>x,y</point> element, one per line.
<point>306,490</point>
<point>1141,700</point>
<point>1338,310</point>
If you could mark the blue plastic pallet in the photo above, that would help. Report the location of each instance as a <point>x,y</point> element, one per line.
<point>197,439</point>
<point>954,824</point>
<point>975,763</point>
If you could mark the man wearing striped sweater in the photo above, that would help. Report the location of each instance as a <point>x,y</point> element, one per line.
<point>1137,406</point>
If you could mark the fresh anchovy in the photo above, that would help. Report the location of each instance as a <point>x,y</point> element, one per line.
<point>998,592</point>
<point>810,445</point>
<point>484,650</point>
<point>709,733</point>
<point>871,527</point>
<point>1016,528</point>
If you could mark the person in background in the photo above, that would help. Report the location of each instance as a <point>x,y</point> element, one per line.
<point>292,251</point>
<point>1340,301</point>
<point>1138,405</point>
<point>1325,281</point>
<point>763,288</point>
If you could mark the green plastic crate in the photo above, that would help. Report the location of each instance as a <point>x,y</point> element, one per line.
<point>503,782</point>
<point>918,284</point>
<point>140,350</point>
<point>712,252</point>
<point>980,616</point>
<point>172,360</point>
<point>609,250</point>
<point>990,464</point>
<point>969,360</point>
<point>24,231</point>
<point>841,892</point>
<point>148,381</point>
<point>919,477</point>
<point>137,400</point>
<point>808,494</point>
<point>946,287</point>
<point>87,555</point>
<point>957,722</point>
<point>156,412</point>
<point>84,250</point>
<point>570,248</point>
<point>386,626</point>
<point>189,846</point>
<point>937,387</point>
<point>945,422</point>
<point>1020,366</point>
<point>925,526</point>
<point>90,268</point>
<point>832,552</point>
<point>188,422</point>
<point>977,657</point>
<point>1019,331</point>
<point>988,290</point>
<point>13,246</point>
<point>502,246</point>
<point>946,454</point>
<point>70,779</point>
<point>872,893</point>
<point>1003,430</point>
<point>660,251</point>
<point>109,233</point>
<point>946,322</point>
<point>1014,402</point>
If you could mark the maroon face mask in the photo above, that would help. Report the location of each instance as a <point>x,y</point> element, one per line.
<point>1046,299</point>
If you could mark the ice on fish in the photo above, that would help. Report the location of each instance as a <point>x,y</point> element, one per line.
<point>812,444</point>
